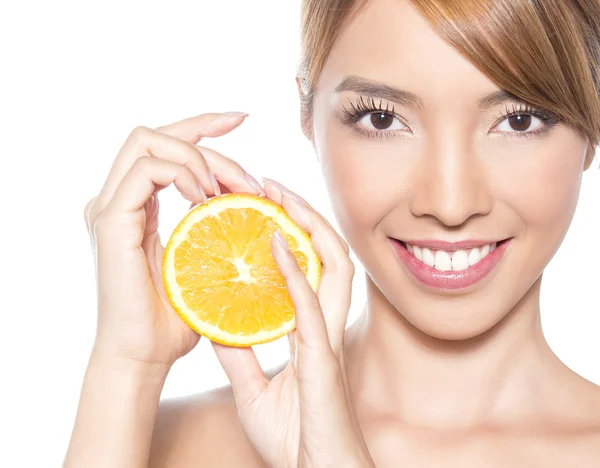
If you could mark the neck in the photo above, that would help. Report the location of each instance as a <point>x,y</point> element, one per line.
<point>498,376</point>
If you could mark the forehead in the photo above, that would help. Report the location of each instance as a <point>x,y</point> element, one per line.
<point>389,41</point>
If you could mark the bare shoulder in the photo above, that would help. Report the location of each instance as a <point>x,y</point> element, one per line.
<point>585,445</point>
<point>201,430</point>
<point>586,395</point>
<point>584,433</point>
<point>594,427</point>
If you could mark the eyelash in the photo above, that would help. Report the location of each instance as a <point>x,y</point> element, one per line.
<point>363,106</point>
<point>367,105</point>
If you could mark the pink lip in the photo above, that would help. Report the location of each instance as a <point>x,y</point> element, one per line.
<point>434,244</point>
<point>449,279</point>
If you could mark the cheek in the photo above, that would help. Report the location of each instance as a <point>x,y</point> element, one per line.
<point>552,198</point>
<point>541,187</point>
<point>365,179</point>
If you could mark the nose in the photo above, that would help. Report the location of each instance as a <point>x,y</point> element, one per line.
<point>450,183</point>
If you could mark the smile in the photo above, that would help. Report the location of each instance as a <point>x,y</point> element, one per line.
<point>457,260</point>
<point>452,268</point>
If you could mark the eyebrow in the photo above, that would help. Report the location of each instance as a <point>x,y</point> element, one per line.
<point>379,90</point>
<point>495,98</point>
<point>406,98</point>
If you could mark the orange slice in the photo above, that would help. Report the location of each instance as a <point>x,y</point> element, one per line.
<point>221,277</point>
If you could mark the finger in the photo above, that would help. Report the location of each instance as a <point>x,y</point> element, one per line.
<point>230,173</point>
<point>146,176</point>
<point>86,212</point>
<point>323,397</point>
<point>193,129</point>
<point>292,346</point>
<point>275,191</point>
<point>144,141</point>
<point>310,325</point>
<point>335,288</point>
<point>243,371</point>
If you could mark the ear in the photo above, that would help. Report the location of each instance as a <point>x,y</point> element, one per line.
<point>304,117</point>
<point>299,84</point>
<point>589,157</point>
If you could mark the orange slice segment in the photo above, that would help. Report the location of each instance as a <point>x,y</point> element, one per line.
<point>219,273</point>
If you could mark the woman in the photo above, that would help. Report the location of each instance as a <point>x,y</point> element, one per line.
<point>453,136</point>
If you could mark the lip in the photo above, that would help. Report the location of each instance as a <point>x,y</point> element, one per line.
<point>450,279</point>
<point>434,244</point>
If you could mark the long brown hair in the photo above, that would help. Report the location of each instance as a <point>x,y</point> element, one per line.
<point>546,52</point>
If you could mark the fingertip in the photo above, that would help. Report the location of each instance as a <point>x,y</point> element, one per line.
<point>256,185</point>
<point>229,119</point>
<point>287,201</point>
<point>211,125</point>
<point>214,183</point>
<point>271,189</point>
<point>281,254</point>
<point>281,240</point>
<point>235,114</point>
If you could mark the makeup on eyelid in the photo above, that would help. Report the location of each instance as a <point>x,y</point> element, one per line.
<point>381,109</point>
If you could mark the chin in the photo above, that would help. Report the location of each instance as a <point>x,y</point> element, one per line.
<point>443,323</point>
<point>446,317</point>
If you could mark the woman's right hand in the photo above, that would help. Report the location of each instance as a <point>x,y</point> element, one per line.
<point>135,319</point>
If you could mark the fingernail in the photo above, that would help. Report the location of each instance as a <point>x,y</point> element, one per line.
<point>264,180</point>
<point>203,193</point>
<point>235,114</point>
<point>293,196</point>
<point>281,240</point>
<point>255,184</point>
<point>285,191</point>
<point>215,184</point>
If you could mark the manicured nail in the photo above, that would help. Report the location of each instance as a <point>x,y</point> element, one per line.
<point>235,114</point>
<point>229,118</point>
<point>293,196</point>
<point>281,240</point>
<point>285,191</point>
<point>202,193</point>
<point>264,180</point>
<point>255,184</point>
<point>215,184</point>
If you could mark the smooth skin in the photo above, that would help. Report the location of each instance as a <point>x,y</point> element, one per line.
<point>426,378</point>
<point>288,418</point>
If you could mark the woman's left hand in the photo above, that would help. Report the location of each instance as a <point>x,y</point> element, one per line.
<point>303,417</point>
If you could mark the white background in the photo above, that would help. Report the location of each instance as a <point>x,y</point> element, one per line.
<point>76,79</point>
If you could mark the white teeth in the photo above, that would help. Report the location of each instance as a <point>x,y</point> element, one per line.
<point>474,256</point>
<point>428,257</point>
<point>485,250</point>
<point>460,260</point>
<point>418,252</point>
<point>444,261</point>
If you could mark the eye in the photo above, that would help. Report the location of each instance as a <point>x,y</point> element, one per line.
<point>520,123</point>
<point>380,121</point>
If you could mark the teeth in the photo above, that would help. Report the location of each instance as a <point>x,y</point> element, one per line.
<point>428,257</point>
<point>444,261</point>
<point>460,260</point>
<point>418,252</point>
<point>474,256</point>
<point>485,250</point>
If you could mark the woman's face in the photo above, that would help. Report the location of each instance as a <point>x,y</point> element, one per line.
<point>441,164</point>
